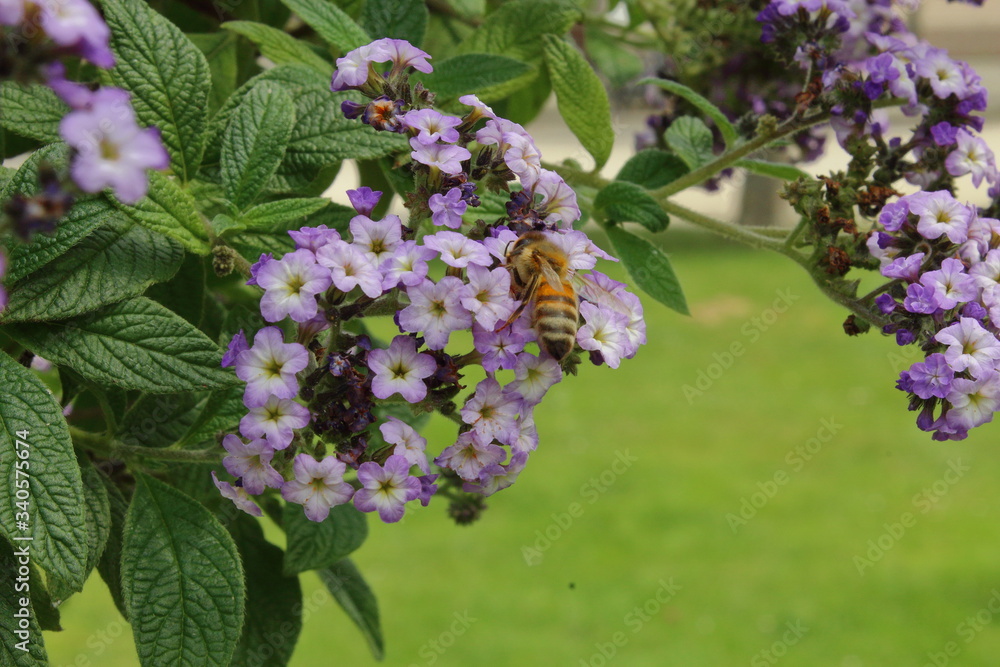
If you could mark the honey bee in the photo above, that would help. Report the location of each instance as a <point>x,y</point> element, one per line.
<point>540,277</point>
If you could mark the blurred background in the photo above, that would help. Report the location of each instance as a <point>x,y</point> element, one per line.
<point>749,490</point>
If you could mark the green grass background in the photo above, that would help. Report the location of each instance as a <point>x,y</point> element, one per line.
<point>665,517</point>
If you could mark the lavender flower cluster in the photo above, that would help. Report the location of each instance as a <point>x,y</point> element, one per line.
<point>863,52</point>
<point>306,448</point>
<point>110,149</point>
<point>943,260</point>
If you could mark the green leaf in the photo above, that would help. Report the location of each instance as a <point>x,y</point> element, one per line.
<point>785,172</point>
<point>46,611</point>
<point>167,75</point>
<point>82,220</point>
<point>274,601</point>
<point>583,102</point>
<point>182,579</point>
<point>169,210</point>
<point>649,268</point>
<point>6,174</point>
<point>221,52</point>
<point>702,104</point>
<point>118,261</point>
<point>271,214</point>
<point>221,411</point>
<point>255,142</point>
<point>33,430</point>
<point>27,649</point>
<point>97,518</point>
<point>313,545</point>
<point>134,344</point>
<point>399,19</point>
<point>691,139</point>
<point>279,47</point>
<point>474,73</point>
<point>322,136</point>
<point>354,596</point>
<point>612,58</point>
<point>652,168</point>
<point>330,22</point>
<point>110,564</point>
<point>275,238</point>
<point>516,28</point>
<point>158,420</point>
<point>622,201</point>
<point>31,111</point>
<point>184,293</point>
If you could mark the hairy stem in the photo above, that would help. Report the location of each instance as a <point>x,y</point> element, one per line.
<point>107,447</point>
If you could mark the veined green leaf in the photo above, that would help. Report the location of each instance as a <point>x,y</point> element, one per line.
<point>516,28</point>
<point>652,168</point>
<point>691,140</point>
<point>134,344</point>
<point>622,201</point>
<point>313,545</point>
<point>182,579</point>
<point>167,75</point>
<point>474,73</point>
<point>43,499</point>
<point>255,141</point>
<point>14,649</point>
<point>31,111</point>
<point>583,102</point>
<point>118,261</point>
<point>701,103</point>
<point>330,22</point>
<point>170,210</point>
<point>280,47</point>
<point>649,268</point>
<point>352,593</point>
<point>398,19</point>
<point>268,215</point>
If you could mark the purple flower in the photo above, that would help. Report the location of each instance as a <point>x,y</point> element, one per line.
<point>944,133</point>
<point>987,272</point>
<point>251,462</point>
<point>458,250</point>
<point>973,402</point>
<point>350,267</point>
<point>951,284</point>
<point>943,73</point>
<point>257,266</point>
<point>533,376</point>
<point>76,95</point>
<point>112,150</point>
<point>558,203</point>
<point>479,110</point>
<point>490,412</point>
<point>364,200</point>
<point>436,310</point>
<point>409,444</point>
<point>387,488</point>
<point>276,420</point>
<point>905,268</point>
<point>487,296</point>
<point>885,303</point>
<point>971,156</point>
<point>931,378</point>
<point>238,495</point>
<point>11,12</point>
<point>403,54</point>
<point>970,346</point>
<point>431,126</point>
<point>377,239</point>
<point>427,488</point>
<point>941,214</point>
<point>497,477</point>
<point>920,299</point>
<point>353,68</point>
<point>76,25</point>
<point>894,215</point>
<point>313,238</point>
<point>236,345</point>
<point>500,348</point>
<point>446,157</point>
<point>318,485</point>
<point>469,456</point>
<point>604,332</point>
<point>400,369</point>
<point>523,158</point>
<point>407,265</point>
<point>527,435</point>
<point>269,367</point>
<point>291,286</point>
<point>447,209</point>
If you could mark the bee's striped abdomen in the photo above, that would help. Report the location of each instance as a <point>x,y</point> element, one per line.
<point>556,315</point>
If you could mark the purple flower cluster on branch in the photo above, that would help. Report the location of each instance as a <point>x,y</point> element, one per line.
<point>435,283</point>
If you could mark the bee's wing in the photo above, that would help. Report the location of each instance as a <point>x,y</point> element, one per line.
<point>551,277</point>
